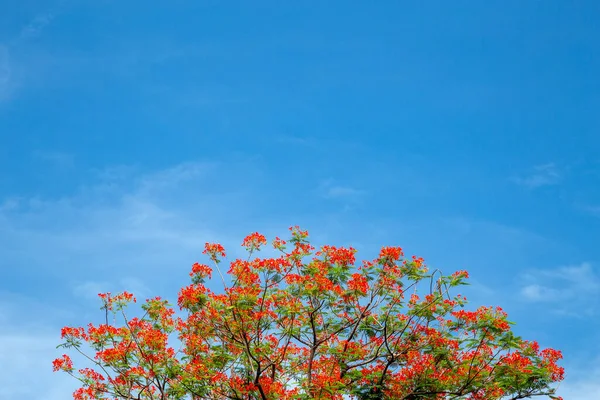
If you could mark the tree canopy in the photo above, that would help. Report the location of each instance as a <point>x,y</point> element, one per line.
<point>309,324</point>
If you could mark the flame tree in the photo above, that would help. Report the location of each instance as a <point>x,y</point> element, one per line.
<point>309,324</point>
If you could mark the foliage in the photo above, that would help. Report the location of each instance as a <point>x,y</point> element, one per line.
<point>311,325</point>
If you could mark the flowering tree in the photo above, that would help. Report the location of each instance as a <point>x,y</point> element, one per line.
<point>310,325</point>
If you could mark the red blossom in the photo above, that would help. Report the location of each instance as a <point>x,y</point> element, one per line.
<point>201,270</point>
<point>62,363</point>
<point>214,250</point>
<point>254,241</point>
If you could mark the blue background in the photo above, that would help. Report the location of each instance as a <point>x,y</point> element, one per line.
<point>132,132</point>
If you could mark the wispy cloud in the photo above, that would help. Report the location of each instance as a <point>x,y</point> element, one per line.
<point>341,191</point>
<point>29,333</point>
<point>32,29</point>
<point>174,176</point>
<point>130,225</point>
<point>571,288</point>
<point>535,292</point>
<point>540,175</point>
<point>331,190</point>
<point>57,158</point>
<point>590,209</point>
<point>36,26</point>
<point>9,203</point>
<point>30,355</point>
<point>296,140</point>
<point>582,382</point>
<point>582,389</point>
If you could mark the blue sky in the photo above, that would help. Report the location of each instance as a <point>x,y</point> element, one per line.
<point>132,132</point>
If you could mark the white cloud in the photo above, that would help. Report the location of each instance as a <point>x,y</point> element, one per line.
<point>582,382</point>
<point>112,215</point>
<point>536,292</point>
<point>341,191</point>
<point>331,190</point>
<point>9,203</point>
<point>7,65</point>
<point>574,289</point>
<point>588,389</point>
<point>541,175</point>
<point>29,334</point>
<point>177,175</point>
<point>593,210</point>
<point>36,26</point>
<point>27,357</point>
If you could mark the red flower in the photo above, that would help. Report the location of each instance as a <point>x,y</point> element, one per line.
<point>254,241</point>
<point>62,363</point>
